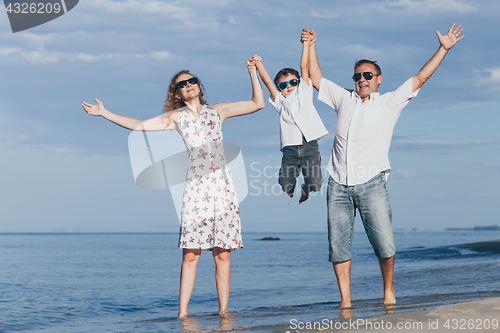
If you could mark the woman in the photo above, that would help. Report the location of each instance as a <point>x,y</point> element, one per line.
<point>210,212</point>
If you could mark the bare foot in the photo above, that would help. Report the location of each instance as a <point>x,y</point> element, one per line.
<point>345,305</point>
<point>305,193</point>
<point>389,298</point>
<point>182,315</point>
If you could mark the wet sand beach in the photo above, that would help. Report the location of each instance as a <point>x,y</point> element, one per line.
<point>470,316</point>
<point>475,316</point>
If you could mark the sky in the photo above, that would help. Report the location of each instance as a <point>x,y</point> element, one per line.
<point>65,171</point>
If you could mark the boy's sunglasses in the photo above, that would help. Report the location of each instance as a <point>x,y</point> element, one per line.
<point>183,84</point>
<point>284,84</point>
<point>367,75</point>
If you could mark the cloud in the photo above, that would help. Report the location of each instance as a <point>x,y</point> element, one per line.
<point>492,163</point>
<point>159,55</point>
<point>156,55</point>
<point>495,74</point>
<point>9,51</point>
<point>403,173</point>
<point>46,57</point>
<point>355,50</point>
<point>438,147</point>
<point>24,141</point>
<point>272,141</point>
<point>28,134</point>
<point>326,13</point>
<point>430,6</point>
<point>92,57</point>
<point>141,7</point>
<point>40,57</point>
<point>488,77</point>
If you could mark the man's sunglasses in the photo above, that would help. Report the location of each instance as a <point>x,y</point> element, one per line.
<point>367,75</point>
<point>183,84</point>
<point>284,84</point>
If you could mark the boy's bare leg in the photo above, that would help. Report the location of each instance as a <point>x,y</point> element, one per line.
<point>222,258</point>
<point>190,259</point>
<point>305,193</point>
<point>343,274</point>
<point>387,268</point>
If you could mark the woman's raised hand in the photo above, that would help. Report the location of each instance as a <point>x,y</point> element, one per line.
<point>94,110</point>
<point>251,64</point>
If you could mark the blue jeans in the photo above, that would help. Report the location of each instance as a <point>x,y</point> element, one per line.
<point>305,157</point>
<point>372,201</point>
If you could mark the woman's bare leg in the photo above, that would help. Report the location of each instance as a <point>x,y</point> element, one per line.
<point>222,258</point>
<point>190,259</point>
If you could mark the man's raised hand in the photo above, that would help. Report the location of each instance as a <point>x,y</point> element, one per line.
<point>256,58</point>
<point>451,38</point>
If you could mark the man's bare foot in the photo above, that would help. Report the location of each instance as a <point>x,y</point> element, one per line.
<point>182,315</point>
<point>305,193</point>
<point>290,191</point>
<point>389,298</point>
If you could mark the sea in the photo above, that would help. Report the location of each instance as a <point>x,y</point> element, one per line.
<point>129,282</point>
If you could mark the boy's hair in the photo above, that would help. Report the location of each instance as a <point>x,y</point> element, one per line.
<point>365,61</point>
<point>285,72</point>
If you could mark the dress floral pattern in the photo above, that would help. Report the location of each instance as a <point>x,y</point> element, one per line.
<point>210,211</point>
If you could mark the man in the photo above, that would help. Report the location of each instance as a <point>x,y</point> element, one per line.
<point>359,164</point>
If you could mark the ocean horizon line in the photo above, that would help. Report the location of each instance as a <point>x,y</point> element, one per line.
<point>176,232</point>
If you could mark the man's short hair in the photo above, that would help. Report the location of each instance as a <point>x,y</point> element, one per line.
<point>285,72</point>
<point>366,61</point>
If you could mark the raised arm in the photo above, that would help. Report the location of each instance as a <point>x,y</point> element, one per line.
<point>304,60</point>
<point>268,82</point>
<point>446,43</point>
<point>228,110</point>
<point>315,73</point>
<point>160,123</point>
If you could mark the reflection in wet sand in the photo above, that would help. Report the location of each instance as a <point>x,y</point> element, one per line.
<point>346,313</point>
<point>390,308</point>
<point>190,324</point>
<point>226,322</point>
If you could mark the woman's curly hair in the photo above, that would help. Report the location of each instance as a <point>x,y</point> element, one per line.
<point>173,103</point>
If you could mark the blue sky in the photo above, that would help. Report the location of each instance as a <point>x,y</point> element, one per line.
<point>62,170</point>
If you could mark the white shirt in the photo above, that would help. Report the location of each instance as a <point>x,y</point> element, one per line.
<point>298,116</point>
<point>364,130</point>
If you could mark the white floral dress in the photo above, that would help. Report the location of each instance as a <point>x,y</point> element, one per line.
<point>210,211</point>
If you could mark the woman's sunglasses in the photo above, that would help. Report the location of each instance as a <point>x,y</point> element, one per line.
<point>367,75</point>
<point>183,84</point>
<point>284,84</point>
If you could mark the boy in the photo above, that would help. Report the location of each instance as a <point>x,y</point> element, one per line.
<point>300,124</point>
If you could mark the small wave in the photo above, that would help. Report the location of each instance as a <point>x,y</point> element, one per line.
<point>464,251</point>
<point>448,252</point>
<point>492,247</point>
